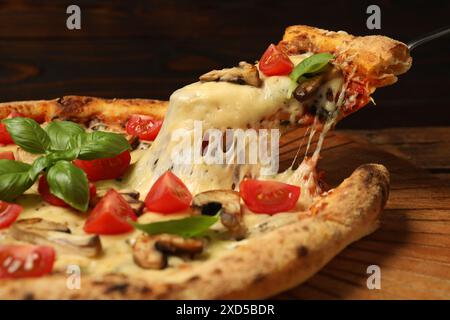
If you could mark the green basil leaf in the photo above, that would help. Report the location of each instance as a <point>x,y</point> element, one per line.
<point>11,166</point>
<point>27,134</point>
<point>38,166</point>
<point>13,185</point>
<point>311,65</point>
<point>69,155</point>
<point>14,179</point>
<point>60,132</point>
<point>187,227</point>
<point>70,184</point>
<point>100,144</point>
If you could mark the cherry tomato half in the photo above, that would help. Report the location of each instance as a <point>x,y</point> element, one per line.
<point>8,213</point>
<point>110,215</point>
<point>168,195</point>
<point>106,168</point>
<point>145,127</point>
<point>275,62</point>
<point>268,196</point>
<point>25,261</point>
<point>7,155</point>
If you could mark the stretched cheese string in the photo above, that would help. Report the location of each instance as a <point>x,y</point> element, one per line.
<point>221,105</point>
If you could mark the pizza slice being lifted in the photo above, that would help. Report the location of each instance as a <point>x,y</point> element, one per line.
<point>147,226</point>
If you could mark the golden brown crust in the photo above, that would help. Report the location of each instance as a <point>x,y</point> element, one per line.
<point>378,58</point>
<point>265,264</point>
<point>84,109</point>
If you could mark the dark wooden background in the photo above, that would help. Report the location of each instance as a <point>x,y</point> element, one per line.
<point>150,48</point>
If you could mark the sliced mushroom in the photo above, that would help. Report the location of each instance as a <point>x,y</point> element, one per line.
<point>130,196</point>
<point>42,224</point>
<point>53,234</point>
<point>134,142</point>
<point>151,252</point>
<point>96,125</point>
<point>173,244</point>
<point>146,255</point>
<point>245,73</point>
<point>307,88</point>
<point>228,202</point>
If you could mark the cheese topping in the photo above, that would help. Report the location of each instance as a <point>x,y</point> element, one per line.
<point>219,105</point>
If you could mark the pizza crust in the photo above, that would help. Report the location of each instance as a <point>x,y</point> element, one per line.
<point>378,59</point>
<point>83,109</point>
<point>265,264</point>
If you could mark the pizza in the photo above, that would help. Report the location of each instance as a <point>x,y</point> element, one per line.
<point>95,188</point>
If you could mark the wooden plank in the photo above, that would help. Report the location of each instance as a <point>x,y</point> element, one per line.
<point>427,147</point>
<point>137,18</point>
<point>412,245</point>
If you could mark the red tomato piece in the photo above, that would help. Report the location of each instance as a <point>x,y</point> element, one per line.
<point>7,155</point>
<point>8,213</point>
<point>5,137</point>
<point>106,168</point>
<point>145,127</point>
<point>111,215</point>
<point>25,261</point>
<point>268,196</point>
<point>168,195</point>
<point>44,191</point>
<point>275,62</point>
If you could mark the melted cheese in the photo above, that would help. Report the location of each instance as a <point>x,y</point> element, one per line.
<point>219,105</point>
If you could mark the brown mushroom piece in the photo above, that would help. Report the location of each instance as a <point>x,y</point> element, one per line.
<point>307,88</point>
<point>173,244</point>
<point>44,232</point>
<point>96,125</point>
<point>151,252</point>
<point>245,73</point>
<point>42,224</point>
<point>134,142</point>
<point>228,202</point>
<point>145,254</point>
<point>132,197</point>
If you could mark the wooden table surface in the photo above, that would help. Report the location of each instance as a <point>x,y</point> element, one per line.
<point>412,245</point>
<point>425,147</point>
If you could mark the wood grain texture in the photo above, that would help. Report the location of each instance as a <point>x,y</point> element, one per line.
<point>148,49</point>
<point>412,246</point>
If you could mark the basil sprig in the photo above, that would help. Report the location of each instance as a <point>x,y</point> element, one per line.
<point>27,134</point>
<point>70,183</point>
<point>60,133</point>
<point>59,143</point>
<point>14,179</point>
<point>307,68</point>
<point>187,227</point>
<point>311,65</point>
<point>100,144</point>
